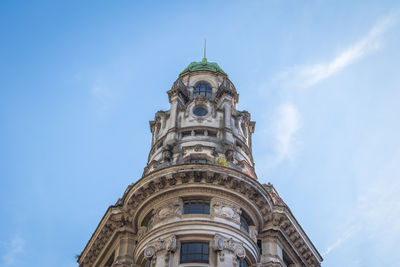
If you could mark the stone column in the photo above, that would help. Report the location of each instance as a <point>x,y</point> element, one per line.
<point>171,122</point>
<point>271,253</point>
<point>124,252</point>
<point>227,122</point>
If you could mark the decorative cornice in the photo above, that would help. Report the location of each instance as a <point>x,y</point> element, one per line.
<point>273,210</point>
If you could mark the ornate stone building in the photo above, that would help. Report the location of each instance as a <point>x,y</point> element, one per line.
<point>198,202</point>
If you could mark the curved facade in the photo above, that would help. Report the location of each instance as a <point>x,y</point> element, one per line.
<point>198,202</point>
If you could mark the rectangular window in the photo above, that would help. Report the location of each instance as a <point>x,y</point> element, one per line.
<point>194,252</point>
<point>201,161</point>
<point>196,207</point>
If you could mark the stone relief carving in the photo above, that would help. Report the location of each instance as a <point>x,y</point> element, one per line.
<point>169,210</point>
<point>167,244</point>
<point>225,210</point>
<point>253,233</point>
<point>141,232</point>
<point>229,154</point>
<point>221,244</point>
<point>167,154</point>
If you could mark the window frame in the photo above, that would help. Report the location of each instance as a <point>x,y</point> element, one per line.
<point>243,263</point>
<point>190,204</point>
<point>202,88</point>
<point>244,224</point>
<point>187,253</point>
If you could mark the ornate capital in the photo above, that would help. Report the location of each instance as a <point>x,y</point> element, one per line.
<point>221,244</point>
<point>168,244</point>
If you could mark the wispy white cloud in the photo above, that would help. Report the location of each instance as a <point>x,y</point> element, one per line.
<point>13,250</point>
<point>287,124</point>
<point>309,75</point>
<point>347,234</point>
<point>375,218</point>
<point>288,117</point>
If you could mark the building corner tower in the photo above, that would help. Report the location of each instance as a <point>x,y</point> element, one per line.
<point>199,202</point>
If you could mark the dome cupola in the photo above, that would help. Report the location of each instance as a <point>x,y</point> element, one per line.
<point>203,65</point>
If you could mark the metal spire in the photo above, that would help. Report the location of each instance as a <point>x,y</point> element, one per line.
<point>205,50</point>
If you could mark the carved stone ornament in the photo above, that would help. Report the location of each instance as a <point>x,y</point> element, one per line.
<point>167,154</point>
<point>222,209</point>
<point>220,244</point>
<point>253,233</point>
<point>198,148</point>
<point>141,232</point>
<point>149,252</point>
<point>171,243</point>
<point>169,210</point>
<point>168,244</point>
<point>229,154</point>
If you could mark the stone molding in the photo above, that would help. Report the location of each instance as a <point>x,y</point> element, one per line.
<point>221,244</point>
<point>279,217</point>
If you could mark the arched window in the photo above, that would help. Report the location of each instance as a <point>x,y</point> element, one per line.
<point>148,221</point>
<point>202,88</point>
<point>243,263</point>
<point>245,221</point>
<point>244,224</point>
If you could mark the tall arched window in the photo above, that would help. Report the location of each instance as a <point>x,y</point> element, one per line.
<point>202,88</point>
<point>148,221</point>
<point>243,263</point>
<point>245,221</point>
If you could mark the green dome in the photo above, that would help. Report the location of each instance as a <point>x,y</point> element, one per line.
<point>203,65</point>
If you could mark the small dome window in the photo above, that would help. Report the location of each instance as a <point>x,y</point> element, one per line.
<point>200,111</point>
<point>202,88</point>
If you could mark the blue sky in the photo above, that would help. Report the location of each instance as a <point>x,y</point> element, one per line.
<point>79,81</point>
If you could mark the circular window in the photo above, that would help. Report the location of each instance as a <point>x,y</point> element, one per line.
<point>200,111</point>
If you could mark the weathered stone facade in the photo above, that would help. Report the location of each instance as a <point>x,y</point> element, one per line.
<point>200,159</point>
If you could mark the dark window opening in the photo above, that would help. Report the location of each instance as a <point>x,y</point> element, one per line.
<point>239,145</point>
<point>212,133</point>
<point>259,245</point>
<point>245,221</point>
<point>198,161</point>
<point>243,263</point>
<point>202,88</point>
<point>196,207</point>
<point>194,252</point>
<point>244,224</point>
<point>148,221</point>
<point>199,133</point>
<point>186,133</point>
